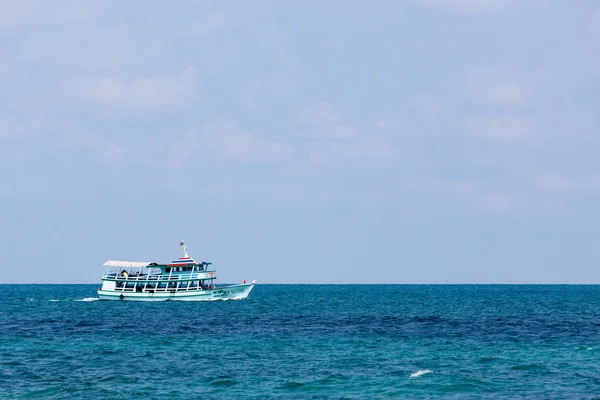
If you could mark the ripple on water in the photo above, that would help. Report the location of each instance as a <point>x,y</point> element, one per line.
<point>292,385</point>
<point>305,341</point>
<point>526,367</point>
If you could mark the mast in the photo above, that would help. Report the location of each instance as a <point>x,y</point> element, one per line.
<point>184,249</point>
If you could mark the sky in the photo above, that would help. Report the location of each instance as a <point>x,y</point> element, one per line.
<point>416,141</point>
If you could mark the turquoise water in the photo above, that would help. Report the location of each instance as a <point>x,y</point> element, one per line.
<point>304,341</point>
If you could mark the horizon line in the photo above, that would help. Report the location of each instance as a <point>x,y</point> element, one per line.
<point>339,283</point>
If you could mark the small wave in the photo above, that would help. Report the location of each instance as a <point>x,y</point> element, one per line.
<point>525,367</point>
<point>86,323</point>
<point>419,373</point>
<point>53,301</point>
<point>224,382</point>
<point>292,385</point>
<point>89,299</point>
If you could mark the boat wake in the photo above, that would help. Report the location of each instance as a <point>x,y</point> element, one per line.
<point>213,299</point>
<point>89,299</point>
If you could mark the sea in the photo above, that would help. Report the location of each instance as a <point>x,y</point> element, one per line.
<point>304,342</point>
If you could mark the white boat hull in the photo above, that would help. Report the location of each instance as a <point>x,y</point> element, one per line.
<point>233,292</point>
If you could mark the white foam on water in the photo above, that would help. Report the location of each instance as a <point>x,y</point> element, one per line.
<point>89,299</point>
<point>419,373</point>
<point>53,300</point>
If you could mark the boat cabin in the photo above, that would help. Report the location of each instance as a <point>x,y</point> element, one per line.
<point>153,277</point>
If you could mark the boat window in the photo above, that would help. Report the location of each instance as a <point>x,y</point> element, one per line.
<point>167,270</point>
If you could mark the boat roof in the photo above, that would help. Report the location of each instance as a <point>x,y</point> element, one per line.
<point>182,261</point>
<point>126,264</point>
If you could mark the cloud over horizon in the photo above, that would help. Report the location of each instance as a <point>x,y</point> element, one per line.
<point>430,109</point>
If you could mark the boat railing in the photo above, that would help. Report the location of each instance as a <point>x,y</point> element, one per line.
<point>153,290</point>
<point>159,277</point>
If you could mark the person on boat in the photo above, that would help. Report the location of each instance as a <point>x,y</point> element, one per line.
<point>124,274</point>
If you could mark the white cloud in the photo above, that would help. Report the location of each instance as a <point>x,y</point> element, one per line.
<point>568,184</point>
<point>227,141</point>
<point>385,123</point>
<point>321,113</point>
<point>501,128</point>
<point>325,111</point>
<point>339,131</point>
<point>374,145</point>
<point>11,129</point>
<point>333,141</point>
<point>105,149</point>
<point>358,147</point>
<point>247,99</point>
<point>552,182</point>
<point>113,36</point>
<point>498,202</point>
<point>28,14</point>
<point>317,157</point>
<point>323,122</point>
<point>148,93</point>
<point>427,106</point>
<point>467,6</point>
<point>14,129</point>
<point>45,140</point>
<point>209,23</point>
<point>494,86</point>
<point>595,21</point>
<point>12,11</point>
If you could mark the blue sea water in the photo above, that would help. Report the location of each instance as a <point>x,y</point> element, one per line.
<point>304,341</point>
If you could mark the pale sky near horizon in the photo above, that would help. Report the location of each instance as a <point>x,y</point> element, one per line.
<point>417,141</point>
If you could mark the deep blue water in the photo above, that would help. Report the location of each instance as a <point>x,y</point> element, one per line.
<point>304,341</point>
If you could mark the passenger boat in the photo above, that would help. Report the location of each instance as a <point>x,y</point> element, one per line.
<point>181,279</point>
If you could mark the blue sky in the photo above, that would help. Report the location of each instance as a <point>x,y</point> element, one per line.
<point>417,141</point>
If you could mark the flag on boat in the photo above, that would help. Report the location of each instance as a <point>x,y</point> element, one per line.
<point>186,260</point>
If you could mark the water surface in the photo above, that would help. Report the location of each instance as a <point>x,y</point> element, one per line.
<point>304,341</point>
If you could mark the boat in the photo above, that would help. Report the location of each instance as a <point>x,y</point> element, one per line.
<point>181,279</point>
